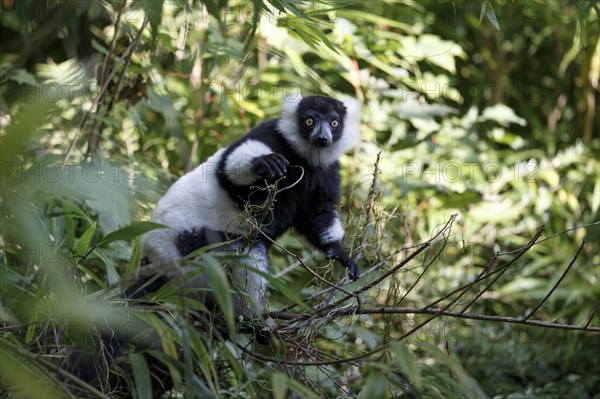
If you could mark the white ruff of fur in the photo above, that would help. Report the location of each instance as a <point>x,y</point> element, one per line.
<point>288,126</point>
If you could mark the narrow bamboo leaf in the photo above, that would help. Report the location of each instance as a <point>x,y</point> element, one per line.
<point>222,291</point>
<point>84,241</point>
<point>169,349</point>
<point>407,363</point>
<point>204,361</point>
<point>134,260</point>
<point>21,376</point>
<point>279,383</point>
<point>354,15</point>
<point>91,275</point>
<point>492,17</point>
<point>375,386</point>
<point>154,10</point>
<point>466,383</point>
<point>321,36</point>
<point>301,389</point>
<point>131,231</point>
<point>482,12</point>
<point>141,375</point>
<point>29,334</point>
<point>111,271</point>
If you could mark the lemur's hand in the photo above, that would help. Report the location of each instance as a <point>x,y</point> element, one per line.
<point>335,252</point>
<point>270,166</point>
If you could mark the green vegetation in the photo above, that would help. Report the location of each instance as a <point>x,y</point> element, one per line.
<point>479,127</point>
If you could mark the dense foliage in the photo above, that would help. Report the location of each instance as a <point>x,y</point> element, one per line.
<point>479,126</point>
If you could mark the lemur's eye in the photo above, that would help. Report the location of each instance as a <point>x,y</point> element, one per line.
<point>309,121</point>
<point>334,123</point>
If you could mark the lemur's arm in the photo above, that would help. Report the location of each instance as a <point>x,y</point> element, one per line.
<point>253,160</point>
<point>322,227</point>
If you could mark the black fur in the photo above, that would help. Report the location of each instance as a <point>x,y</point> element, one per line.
<point>188,241</point>
<point>310,205</point>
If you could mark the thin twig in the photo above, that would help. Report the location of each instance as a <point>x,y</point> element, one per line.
<point>589,320</point>
<point>458,315</point>
<point>423,272</point>
<point>557,234</point>
<point>557,283</point>
<point>397,267</point>
<point>436,313</point>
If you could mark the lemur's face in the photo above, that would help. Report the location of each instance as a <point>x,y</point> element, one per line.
<point>321,120</point>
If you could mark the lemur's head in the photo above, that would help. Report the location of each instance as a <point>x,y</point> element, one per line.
<point>319,128</point>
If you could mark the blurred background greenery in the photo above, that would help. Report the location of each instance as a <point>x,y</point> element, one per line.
<point>485,109</point>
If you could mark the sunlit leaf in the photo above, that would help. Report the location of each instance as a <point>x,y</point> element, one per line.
<point>502,114</point>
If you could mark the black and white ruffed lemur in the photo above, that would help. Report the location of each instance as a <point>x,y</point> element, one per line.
<point>204,206</point>
<point>300,151</point>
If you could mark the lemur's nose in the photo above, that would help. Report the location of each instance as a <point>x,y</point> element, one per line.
<point>323,141</point>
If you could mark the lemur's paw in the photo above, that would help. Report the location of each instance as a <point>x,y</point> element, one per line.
<point>270,166</point>
<point>336,253</point>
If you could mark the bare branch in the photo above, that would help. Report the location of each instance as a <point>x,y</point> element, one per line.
<point>557,283</point>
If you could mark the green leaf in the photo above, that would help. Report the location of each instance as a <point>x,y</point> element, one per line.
<point>375,386</point>
<point>215,7</point>
<point>408,364</point>
<point>482,12</point>
<point>84,241</point>
<point>131,231</point>
<point>452,199</point>
<point>502,114</point>
<point>21,375</point>
<point>111,271</point>
<point>222,291</point>
<point>141,375</point>
<point>21,76</point>
<point>31,328</point>
<point>486,8</point>
<point>302,390</point>
<point>288,291</point>
<point>20,132</point>
<point>492,17</point>
<point>134,260</point>
<point>279,383</point>
<point>169,349</point>
<point>153,9</point>
<point>465,385</point>
<point>356,15</point>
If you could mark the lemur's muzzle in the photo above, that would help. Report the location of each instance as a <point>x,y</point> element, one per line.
<point>321,135</point>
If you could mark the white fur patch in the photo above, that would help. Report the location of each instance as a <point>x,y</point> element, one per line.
<point>238,166</point>
<point>334,233</point>
<point>288,126</point>
<point>195,200</point>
